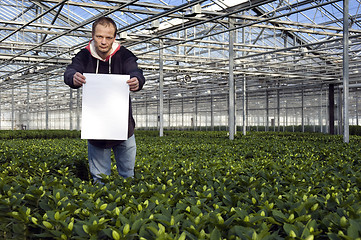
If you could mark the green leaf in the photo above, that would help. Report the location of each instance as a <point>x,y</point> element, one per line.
<point>278,216</point>
<point>18,228</point>
<point>215,234</point>
<point>115,235</point>
<point>71,225</point>
<point>86,228</point>
<point>153,230</point>
<point>136,225</point>
<point>57,216</point>
<point>354,230</point>
<point>290,228</point>
<point>103,206</point>
<point>34,220</point>
<point>182,236</point>
<point>47,224</point>
<point>126,229</point>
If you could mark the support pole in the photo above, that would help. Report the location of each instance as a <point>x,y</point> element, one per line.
<point>231,108</point>
<point>302,110</point>
<point>340,114</point>
<point>195,125</point>
<point>346,134</point>
<point>12,108</point>
<point>161,95</point>
<point>169,112</point>
<point>47,105</point>
<point>356,110</point>
<point>212,112</point>
<point>244,106</point>
<point>0,109</point>
<point>278,111</point>
<point>78,109</point>
<point>285,59</point>
<point>182,112</point>
<point>320,111</point>
<point>146,113</point>
<point>286,117</point>
<point>267,111</point>
<point>71,108</point>
<point>27,105</point>
<point>331,108</point>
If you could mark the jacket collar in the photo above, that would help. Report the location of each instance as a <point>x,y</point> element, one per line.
<point>93,52</point>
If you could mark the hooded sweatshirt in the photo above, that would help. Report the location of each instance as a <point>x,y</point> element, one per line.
<point>119,61</point>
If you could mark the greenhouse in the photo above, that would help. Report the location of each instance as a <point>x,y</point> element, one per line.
<point>247,126</point>
<point>208,64</point>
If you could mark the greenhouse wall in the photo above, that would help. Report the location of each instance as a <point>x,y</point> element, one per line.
<point>283,113</point>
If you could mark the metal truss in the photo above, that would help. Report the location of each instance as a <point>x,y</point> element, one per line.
<point>282,47</point>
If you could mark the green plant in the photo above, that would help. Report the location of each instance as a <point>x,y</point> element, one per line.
<point>187,185</point>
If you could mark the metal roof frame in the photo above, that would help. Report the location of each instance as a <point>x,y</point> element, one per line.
<point>278,45</point>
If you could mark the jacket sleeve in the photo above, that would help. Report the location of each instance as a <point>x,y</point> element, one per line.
<point>77,65</point>
<point>131,68</point>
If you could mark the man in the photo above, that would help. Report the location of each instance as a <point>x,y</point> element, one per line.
<point>104,55</point>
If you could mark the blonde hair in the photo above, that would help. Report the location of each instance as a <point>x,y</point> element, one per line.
<point>104,21</point>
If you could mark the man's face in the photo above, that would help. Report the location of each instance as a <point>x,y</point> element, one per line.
<point>103,39</point>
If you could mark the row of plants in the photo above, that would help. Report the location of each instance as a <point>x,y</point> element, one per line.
<point>353,129</point>
<point>38,134</point>
<point>50,134</point>
<point>187,185</point>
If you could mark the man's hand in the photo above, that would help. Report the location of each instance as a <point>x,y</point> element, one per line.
<point>78,79</point>
<point>133,84</point>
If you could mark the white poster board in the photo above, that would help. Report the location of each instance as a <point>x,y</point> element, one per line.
<point>105,107</point>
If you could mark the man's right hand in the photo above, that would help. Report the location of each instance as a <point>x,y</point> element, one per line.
<point>78,79</point>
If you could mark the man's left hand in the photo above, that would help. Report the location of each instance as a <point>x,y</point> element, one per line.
<point>133,84</point>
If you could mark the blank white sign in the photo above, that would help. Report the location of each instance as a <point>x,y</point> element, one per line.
<point>105,107</point>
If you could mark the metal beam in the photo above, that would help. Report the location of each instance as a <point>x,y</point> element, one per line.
<point>161,94</point>
<point>33,20</point>
<point>231,84</point>
<point>346,134</point>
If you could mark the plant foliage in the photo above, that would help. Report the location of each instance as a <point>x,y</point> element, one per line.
<point>187,185</point>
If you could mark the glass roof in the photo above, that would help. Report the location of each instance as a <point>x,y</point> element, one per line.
<point>276,43</point>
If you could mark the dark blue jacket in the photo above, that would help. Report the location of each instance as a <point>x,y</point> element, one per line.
<point>122,61</point>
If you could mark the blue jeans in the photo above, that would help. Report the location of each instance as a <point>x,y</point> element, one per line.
<point>100,160</point>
